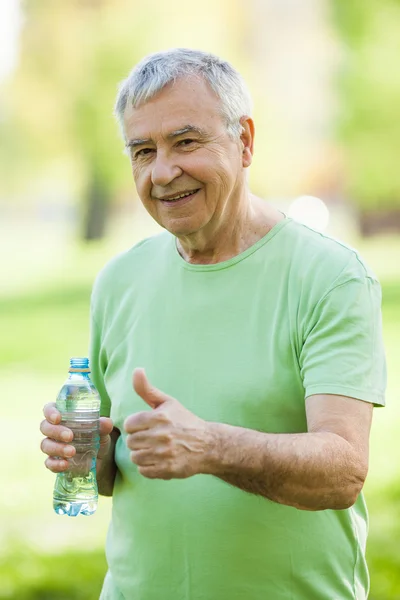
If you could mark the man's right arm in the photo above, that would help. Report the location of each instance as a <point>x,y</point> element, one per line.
<point>106,466</point>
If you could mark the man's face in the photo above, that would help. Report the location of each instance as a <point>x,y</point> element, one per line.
<point>178,145</point>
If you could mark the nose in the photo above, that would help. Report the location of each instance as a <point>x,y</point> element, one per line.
<point>164,170</point>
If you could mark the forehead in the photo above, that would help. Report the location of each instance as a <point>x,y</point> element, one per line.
<point>186,101</point>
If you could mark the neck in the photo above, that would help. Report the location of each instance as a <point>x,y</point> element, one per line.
<point>243,227</point>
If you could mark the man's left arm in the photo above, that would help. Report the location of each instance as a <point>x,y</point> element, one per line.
<point>324,468</point>
<point>341,354</point>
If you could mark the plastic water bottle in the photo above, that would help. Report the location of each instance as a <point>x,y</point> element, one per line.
<point>75,490</point>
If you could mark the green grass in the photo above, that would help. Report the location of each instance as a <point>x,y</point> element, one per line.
<point>44,321</point>
<point>69,576</point>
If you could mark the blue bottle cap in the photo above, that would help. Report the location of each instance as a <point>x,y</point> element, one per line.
<point>79,365</point>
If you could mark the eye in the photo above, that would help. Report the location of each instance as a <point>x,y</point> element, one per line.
<point>143,152</point>
<point>185,142</point>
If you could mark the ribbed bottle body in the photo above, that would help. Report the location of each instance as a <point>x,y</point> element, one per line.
<point>75,490</point>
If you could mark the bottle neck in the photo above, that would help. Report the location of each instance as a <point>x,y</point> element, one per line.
<point>77,375</point>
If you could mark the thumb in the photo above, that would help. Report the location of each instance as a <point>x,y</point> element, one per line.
<point>106,426</point>
<point>151,395</point>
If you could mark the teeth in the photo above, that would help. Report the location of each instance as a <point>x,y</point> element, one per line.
<point>180,196</point>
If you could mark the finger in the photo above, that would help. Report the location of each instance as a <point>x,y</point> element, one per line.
<point>138,440</point>
<point>138,422</point>
<point>153,472</point>
<point>104,446</point>
<point>64,434</point>
<point>51,413</point>
<point>150,394</point>
<point>146,420</point>
<point>52,448</point>
<point>106,426</point>
<point>56,432</point>
<point>143,458</point>
<point>148,439</point>
<point>56,465</point>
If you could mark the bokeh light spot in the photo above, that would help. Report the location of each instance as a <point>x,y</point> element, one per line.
<point>310,211</point>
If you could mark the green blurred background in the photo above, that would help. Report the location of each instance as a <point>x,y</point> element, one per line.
<point>326,86</point>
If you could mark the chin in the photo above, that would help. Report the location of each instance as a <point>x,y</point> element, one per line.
<point>179,232</point>
<point>182,229</point>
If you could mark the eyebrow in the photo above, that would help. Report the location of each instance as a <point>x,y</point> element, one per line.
<point>187,129</point>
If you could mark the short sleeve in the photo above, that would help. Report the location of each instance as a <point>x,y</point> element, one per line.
<point>342,351</point>
<point>98,365</point>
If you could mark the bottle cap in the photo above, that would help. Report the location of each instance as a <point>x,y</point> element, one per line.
<point>79,365</point>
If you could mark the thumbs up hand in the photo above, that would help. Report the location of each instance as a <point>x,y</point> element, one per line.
<point>169,441</point>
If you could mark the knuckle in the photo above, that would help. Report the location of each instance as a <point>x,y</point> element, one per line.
<point>104,440</point>
<point>163,417</point>
<point>152,391</point>
<point>165,452</point>
<point>167,438</point>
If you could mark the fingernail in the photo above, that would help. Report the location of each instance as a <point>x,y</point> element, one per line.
<point>69,451</point>
<point>65,436</point>
<point>53,418</point>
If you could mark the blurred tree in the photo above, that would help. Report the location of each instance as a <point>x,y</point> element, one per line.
<point>73,55</point>
<point>99,145</point>
<point>291,46</point>
<point>369,127</point>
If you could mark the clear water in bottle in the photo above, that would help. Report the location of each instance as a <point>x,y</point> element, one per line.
<point>75,490</point>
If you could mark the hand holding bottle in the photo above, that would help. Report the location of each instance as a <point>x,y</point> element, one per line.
<point>76,438</point>
<point>57,444</point>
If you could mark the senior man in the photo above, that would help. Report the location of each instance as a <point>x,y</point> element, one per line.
<point>237,455</point>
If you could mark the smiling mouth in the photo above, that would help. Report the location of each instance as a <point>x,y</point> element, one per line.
<point>178,197</point>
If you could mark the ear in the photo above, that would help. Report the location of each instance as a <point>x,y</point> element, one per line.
<point>247,140</point>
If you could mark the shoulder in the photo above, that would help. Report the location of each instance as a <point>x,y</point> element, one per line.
<point>323,261</point>
<point>129,266</point>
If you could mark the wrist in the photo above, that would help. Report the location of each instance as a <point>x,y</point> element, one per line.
<point>214,460</point>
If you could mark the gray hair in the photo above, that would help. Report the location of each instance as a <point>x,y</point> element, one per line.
<point>157,70</point>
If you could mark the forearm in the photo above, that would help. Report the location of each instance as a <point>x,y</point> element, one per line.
<point>310,471</point>
<point>106,468</point>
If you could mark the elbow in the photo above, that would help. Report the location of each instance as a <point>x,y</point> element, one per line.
<point>343,494</point>
<point>347,500</point>
<point>351,488</point>
<point>350,497</point>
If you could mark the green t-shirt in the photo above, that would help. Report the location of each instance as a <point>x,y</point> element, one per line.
<point>242,342</point>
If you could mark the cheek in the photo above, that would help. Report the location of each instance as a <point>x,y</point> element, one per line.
<point>211,171</point>
<point>219,175</point>
<point>137,168</point>
<point>135,172</point>
<point>142,179</point>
